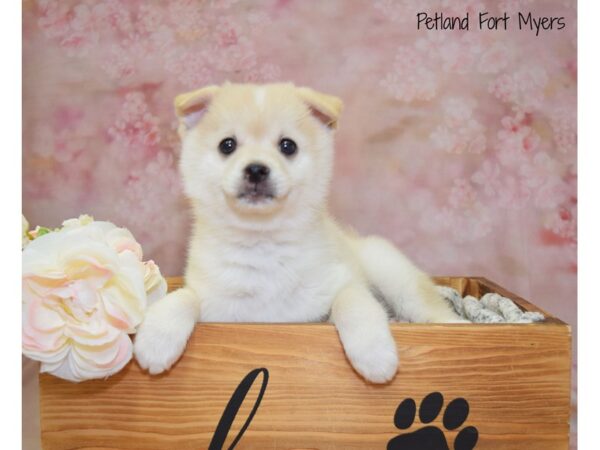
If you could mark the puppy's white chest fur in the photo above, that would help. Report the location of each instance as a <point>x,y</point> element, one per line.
<point>267,279</point>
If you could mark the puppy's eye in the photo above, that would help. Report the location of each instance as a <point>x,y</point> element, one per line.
<point>227,146</point>
<point>287,147</point>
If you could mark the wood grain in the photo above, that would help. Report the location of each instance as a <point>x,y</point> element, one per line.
<point>515,377</point>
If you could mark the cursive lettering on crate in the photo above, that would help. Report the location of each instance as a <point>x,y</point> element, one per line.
<point>233,406</point>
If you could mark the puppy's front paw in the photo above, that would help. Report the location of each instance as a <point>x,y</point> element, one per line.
<point>376,361</point>
<point>161,338</point>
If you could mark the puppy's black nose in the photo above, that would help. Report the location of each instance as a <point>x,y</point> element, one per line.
<point>255,173</point>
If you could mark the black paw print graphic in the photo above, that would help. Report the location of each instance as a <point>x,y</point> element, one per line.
<point>431,437</point>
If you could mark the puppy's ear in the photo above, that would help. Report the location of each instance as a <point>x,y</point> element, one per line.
<point>191,106</point>
<point>326,108</point>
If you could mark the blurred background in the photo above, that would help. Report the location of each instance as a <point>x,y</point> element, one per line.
<point>460,146</point>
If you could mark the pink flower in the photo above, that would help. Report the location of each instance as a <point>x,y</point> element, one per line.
<point>488,176</point>
<point>458,55</point>
<point>135,129</point>
<point>190,68</point>
<point>236,58</point>
<point>460,132</point>
<point>73,28</point>
<point>563,222</point>
<point>85,288</point>
<point>394,10</point>
<point>517,142</point>
<point>150,17</point>
<point>411,78</point>
<point>495,58</point>
<point>113,15</point>
<point>264,74</point>
<point>118,63</point>
<point>227,36</point>
<point>564,124</point>
<point>524,88</point>
<point>462,195</point>
<point>190,19</point>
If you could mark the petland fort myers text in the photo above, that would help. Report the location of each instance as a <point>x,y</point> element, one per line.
<point>487,21</point>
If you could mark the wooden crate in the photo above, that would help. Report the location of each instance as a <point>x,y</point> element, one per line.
<point>515,378</point>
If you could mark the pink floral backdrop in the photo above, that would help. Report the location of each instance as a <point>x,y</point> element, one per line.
<point>460,146</point>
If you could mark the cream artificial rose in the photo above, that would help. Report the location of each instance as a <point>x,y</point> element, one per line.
<point>85,289</point>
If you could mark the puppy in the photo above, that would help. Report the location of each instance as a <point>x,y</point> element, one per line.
<point>256,164</point>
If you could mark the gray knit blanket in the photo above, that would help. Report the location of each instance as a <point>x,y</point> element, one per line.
<point>491,308</point>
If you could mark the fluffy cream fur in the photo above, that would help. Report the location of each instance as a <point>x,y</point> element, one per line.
<point>281,258</point>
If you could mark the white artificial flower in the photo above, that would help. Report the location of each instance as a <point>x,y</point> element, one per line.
<point>85,289</point>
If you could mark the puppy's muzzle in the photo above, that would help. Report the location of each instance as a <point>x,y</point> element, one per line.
<point>257,185</point>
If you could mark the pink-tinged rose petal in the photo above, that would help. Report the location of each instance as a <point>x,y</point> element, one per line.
<point>94,260</point>
<point>46,344</point>
<point>82,363</point>
<point>43,286</point>
<point>104,356</point>
<point>94,272</point>
<point>122,240</point>
<point>39,259</point>
<point>95,332</point>
<point>126,292</point>
<point>118,312</point>
<point>42,318</point>
<point>35,340</point>
<point>50,353</point>
<point>84,368</point>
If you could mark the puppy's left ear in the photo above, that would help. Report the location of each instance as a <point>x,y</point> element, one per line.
<point>191,106</point>
<point>326,108</point>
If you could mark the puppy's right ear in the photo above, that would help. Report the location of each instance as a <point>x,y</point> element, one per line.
<point>191,106</point>
<point>325,108</point>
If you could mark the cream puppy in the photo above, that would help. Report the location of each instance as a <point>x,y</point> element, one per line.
<point>256,165</point>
